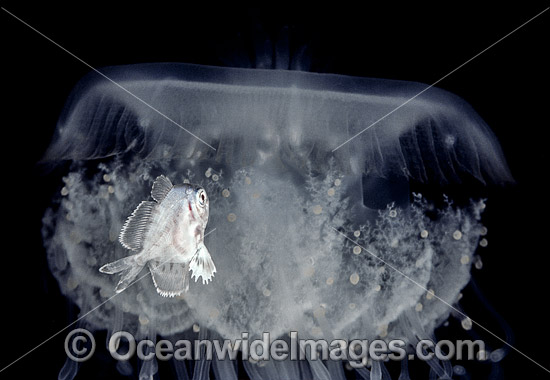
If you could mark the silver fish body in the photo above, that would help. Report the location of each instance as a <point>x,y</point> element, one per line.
<point>168,236</point>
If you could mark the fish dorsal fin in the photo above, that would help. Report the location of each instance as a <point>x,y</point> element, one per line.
<point>161,187</point>
<point>137,224</point>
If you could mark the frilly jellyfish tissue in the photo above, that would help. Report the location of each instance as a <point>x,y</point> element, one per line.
<point>314,225</point>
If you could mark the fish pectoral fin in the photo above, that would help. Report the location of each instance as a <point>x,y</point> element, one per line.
<point>202,265</point>
<point>170,279</point>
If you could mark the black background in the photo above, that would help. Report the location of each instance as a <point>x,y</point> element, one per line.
<point>507,85</point>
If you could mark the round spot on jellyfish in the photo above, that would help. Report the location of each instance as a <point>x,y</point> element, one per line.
<point>143,320</point>
<point>317,209</point>
<point>430,294</point>
<point>466,323</point>
<point>328,187</point>
<point>214,313</point>
<point>319,312</point>
<point>459,370</point>
<point>482,355</point>
<point>478,263</point>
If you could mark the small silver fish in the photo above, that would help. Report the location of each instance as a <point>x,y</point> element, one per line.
<point>168,234</point>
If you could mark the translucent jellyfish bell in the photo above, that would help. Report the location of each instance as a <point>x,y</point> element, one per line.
<point>177,110</point>
<point>312,225</point>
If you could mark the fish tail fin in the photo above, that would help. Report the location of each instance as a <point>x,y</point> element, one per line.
<point>119,265</point>
<point>129,267</point>
<point>202,265</point>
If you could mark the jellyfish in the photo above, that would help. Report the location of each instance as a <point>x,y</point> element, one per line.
<point>319,222</point>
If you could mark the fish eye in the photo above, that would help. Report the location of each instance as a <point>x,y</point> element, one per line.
<point>201,195</point>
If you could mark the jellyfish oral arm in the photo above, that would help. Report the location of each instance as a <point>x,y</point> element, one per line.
<point>443,301</point>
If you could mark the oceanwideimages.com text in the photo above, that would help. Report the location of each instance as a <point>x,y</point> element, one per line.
<point>80,346</point>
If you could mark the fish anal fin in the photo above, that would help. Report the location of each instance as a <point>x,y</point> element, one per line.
<point>170,279</point>
<point>161,187</point>
<point>134,230</point>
